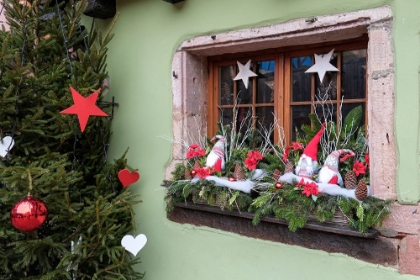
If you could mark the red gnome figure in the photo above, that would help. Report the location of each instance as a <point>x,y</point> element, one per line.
<point>329,173</point>
<point>216,157</point>
<point>308,161</point>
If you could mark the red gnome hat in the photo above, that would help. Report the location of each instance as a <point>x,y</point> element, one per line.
<point>311,150</point>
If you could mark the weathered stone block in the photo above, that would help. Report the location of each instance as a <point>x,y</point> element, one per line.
<point>409,255</point>
<point>403,218</point>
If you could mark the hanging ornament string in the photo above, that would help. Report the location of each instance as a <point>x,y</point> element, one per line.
<point>69,52</point>
<point>19,86</point>
<point>103,103</point>
<point>64,38</point>
<point>71,76</point>
<point>65,42</point>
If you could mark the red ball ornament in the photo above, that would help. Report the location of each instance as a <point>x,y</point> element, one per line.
<point>193,173</point>
<point>28,214</point>
<point>231,179</point>
<point>278,185</point>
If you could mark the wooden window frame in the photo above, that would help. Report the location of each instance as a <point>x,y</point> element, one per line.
<point>282,80</point>
<point>190,78</point>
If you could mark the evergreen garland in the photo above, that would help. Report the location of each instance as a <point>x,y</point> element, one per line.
<point>286,202</point>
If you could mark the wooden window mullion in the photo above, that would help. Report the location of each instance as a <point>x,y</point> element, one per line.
<point>254,95</point>
<point>287,78</point>
<point>213,89</point>
<point>338,88</point>
<point>279,90</point>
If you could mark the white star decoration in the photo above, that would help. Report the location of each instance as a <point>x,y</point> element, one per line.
<point>244,73</point>
<point>322,65</point>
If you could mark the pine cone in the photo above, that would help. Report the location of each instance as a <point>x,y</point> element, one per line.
<point>289,167</point>
<point>197,165</point>
<point>350,180</point>
<point>187,174</point>
<point>276,174</point>
<point>361,191</point>
<point>238,174</point>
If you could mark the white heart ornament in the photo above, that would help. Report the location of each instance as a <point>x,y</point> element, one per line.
<point>6,145</point>
<point>134,245</point>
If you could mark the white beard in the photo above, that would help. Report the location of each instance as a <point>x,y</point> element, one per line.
<point>306,167</point>
<point>212,158</point>
<point>326,174</point>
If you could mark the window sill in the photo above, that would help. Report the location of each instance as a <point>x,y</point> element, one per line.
<point>331,238</point>
<point>325,227</point>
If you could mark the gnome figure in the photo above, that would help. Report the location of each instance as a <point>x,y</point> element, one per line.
<point>329,173</point>
<point>216,157</point>
<point>308,161</point>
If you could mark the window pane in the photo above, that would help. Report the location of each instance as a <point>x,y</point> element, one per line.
<point>244,94</point>
<point>265,81</point>
<point>353,77</point>
<point>327,112</point>
<point>226,85</point>
<point>300,116</point>
<point>265,118</point>
<point>226,116</point>
<point>327,90</point>
<point>243,115</point>
<point>301,81</point>
<point>349,106</point>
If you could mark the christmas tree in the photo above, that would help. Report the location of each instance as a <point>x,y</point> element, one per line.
<point>48,160</point>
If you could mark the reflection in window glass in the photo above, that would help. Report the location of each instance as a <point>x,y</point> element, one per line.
<point>300,116</point>
<point>265,118</point>
<point>301,81</point>
<point>226,84</point>
<point>353,74</point>
<point>265,81</point>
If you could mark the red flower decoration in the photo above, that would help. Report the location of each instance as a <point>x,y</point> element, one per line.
<point>297,146</point>
<point>310,189</point>
<point>345,157</point>
<point>286,154</point>
<point>195,151</point>
<point>252,160</point>
<point>359,168</point>
<point>203,172</point>
<point>367,160</point>
<point>301,183</point>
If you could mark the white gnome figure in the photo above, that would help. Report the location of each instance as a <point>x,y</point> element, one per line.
<point>329,173</point>
<point>216,157</point>
<point>308,161</point>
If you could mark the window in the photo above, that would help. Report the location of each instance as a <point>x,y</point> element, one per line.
<point>283,91</point>
<point>196,92</point>
<point>193,84</point>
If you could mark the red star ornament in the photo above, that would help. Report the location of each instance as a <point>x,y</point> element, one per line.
<point>84,107</point>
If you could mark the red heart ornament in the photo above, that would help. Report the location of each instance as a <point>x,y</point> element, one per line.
<point>127,178</point>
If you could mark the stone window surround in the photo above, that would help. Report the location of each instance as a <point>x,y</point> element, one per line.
<point>190,88</point>
<point>190,76</point>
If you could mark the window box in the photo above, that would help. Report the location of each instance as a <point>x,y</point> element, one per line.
<point>192,84</point>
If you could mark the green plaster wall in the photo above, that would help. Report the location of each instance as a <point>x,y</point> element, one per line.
<point>139,62</point>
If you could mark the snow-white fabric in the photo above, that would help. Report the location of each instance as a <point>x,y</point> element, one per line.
<point>243,186</point>
<point>330,189</point>
<point>326,174</point>
<point>330,167</point>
